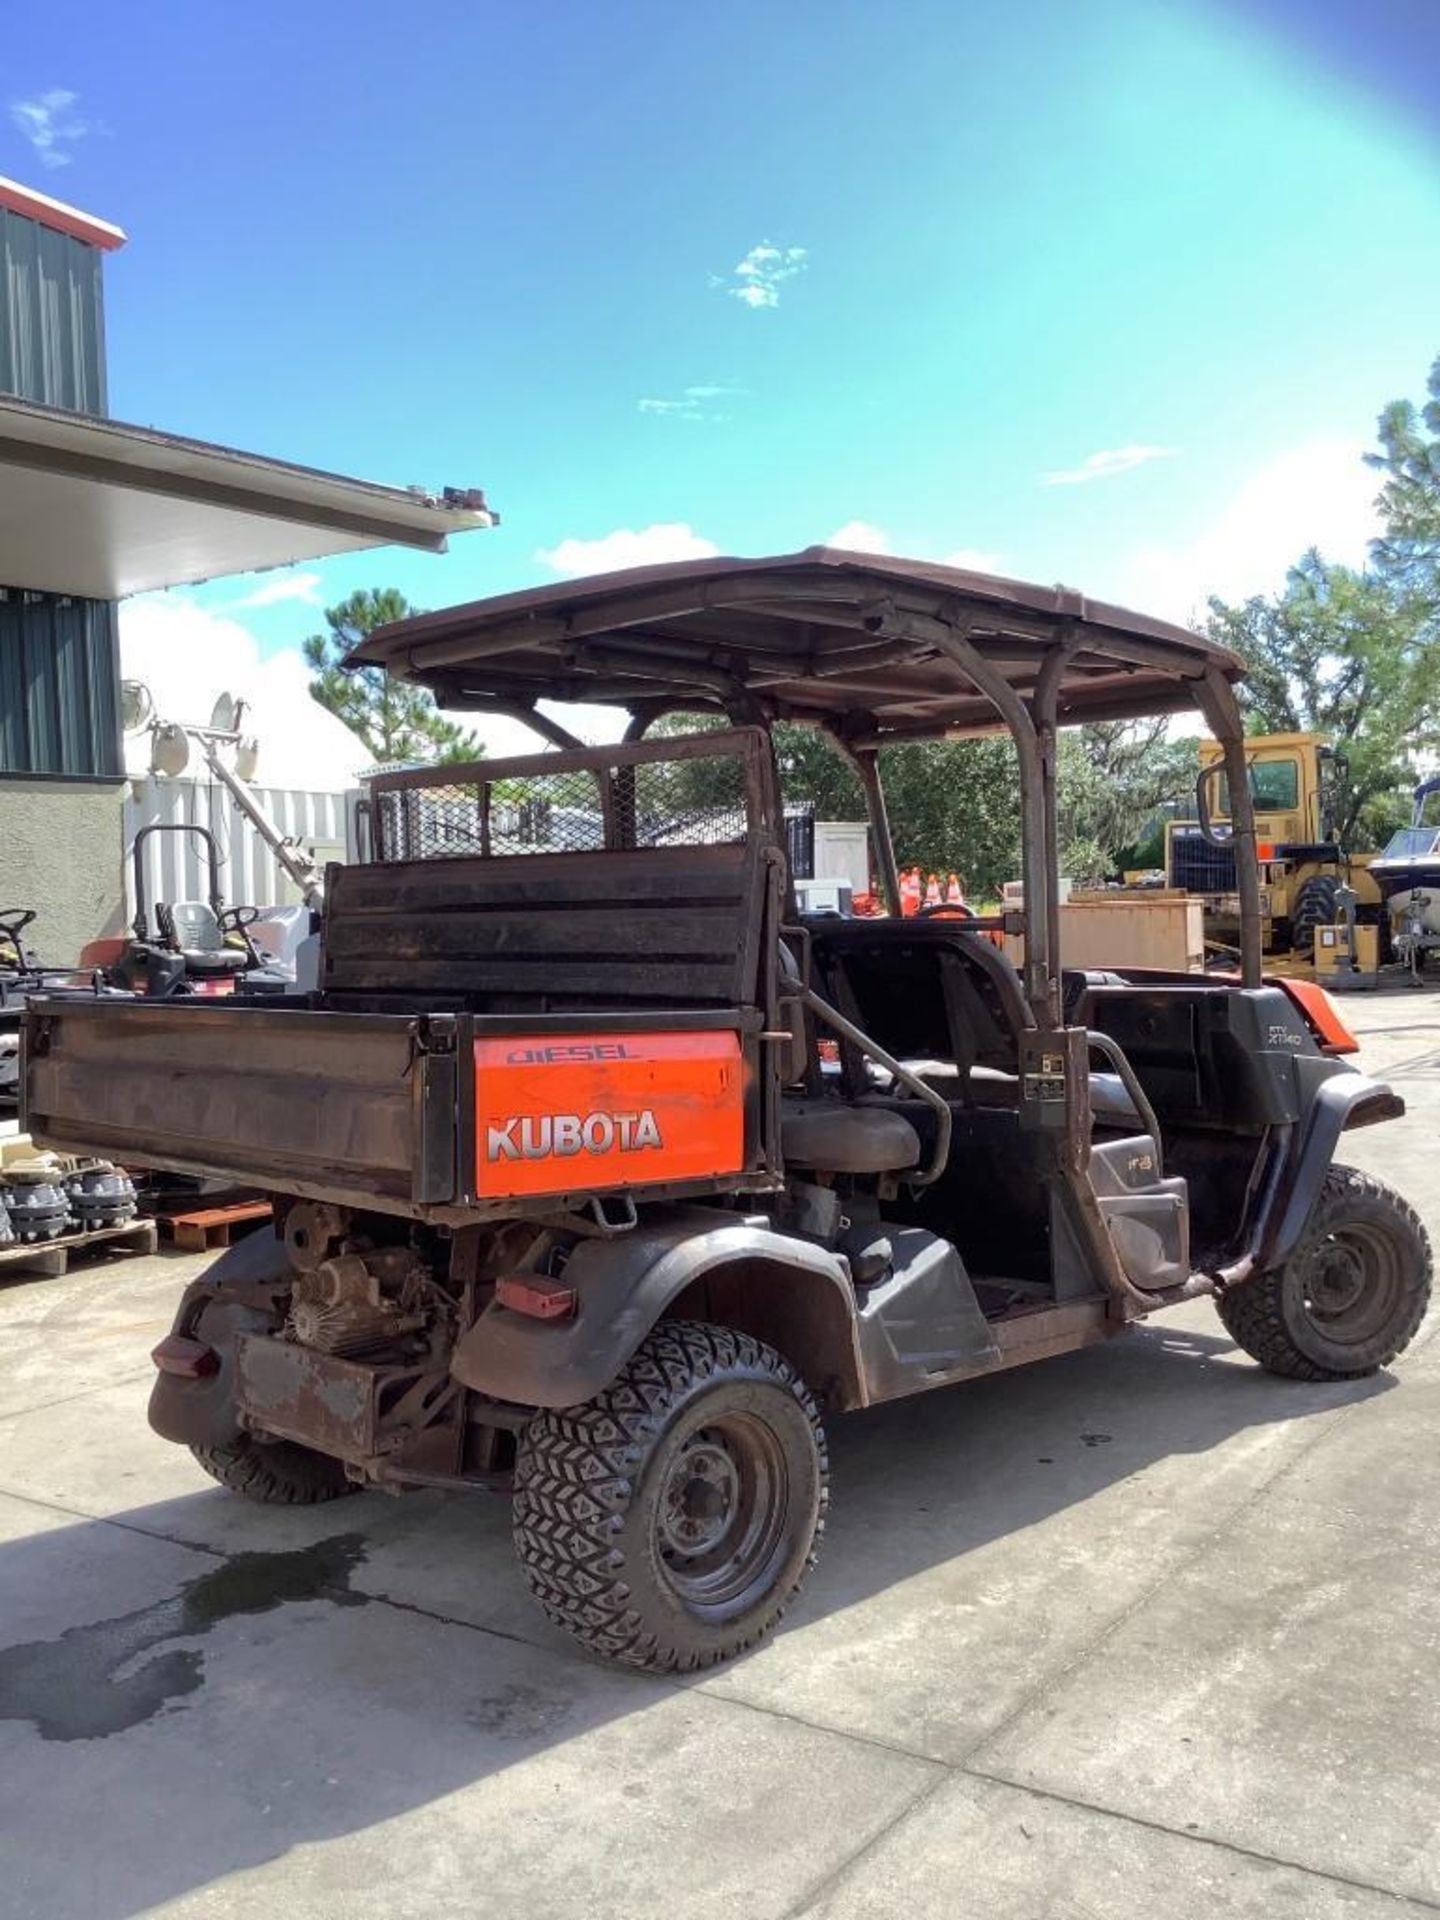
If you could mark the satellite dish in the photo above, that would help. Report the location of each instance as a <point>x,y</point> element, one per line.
<point>225,714</point>
<point>137,706</point>
<point>169,750</point>
<point>247,759</point>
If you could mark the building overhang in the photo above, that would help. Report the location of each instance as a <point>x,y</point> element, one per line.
<point>99,510</point>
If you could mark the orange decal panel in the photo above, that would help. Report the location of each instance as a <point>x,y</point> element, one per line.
<point>579,1112</point>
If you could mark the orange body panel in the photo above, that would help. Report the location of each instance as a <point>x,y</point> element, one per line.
<point>591,1111</point>
<point>1321,1014</point>
<point>103,953</point>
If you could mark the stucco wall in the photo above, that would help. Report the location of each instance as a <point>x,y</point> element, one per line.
<point>60,853</point>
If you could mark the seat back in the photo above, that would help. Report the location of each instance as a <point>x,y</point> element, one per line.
<point>923,989</point>
<point>196,928</point>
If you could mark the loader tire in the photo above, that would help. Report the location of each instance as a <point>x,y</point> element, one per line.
<point>1315,906</point>
<point>1351,1295</point>
<point>667,1523</point>
<point>278,1473</point>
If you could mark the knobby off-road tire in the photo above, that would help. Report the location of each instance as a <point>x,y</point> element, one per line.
<point>1315,906</point>
<point>279,1473</point>
<point>1351,1295</point>
<point>667,1522</point>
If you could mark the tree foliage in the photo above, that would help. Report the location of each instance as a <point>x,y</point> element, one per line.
<point>1114,782</point>
<point>1348,655</point>
<point>954,805</point>
<point>1356,655</point>
<point>396,719</point>
<point>1409,500</point>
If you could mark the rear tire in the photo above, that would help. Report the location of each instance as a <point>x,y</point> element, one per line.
<point>666,1523</point>
<point>1316,905</point>
<point>277,1474</point>
<point>1351,1295</point>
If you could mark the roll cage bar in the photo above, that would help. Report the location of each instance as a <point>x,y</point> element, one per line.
<point>872,650</point>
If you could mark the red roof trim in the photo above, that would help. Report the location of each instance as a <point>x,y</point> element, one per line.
<point>39,207</point>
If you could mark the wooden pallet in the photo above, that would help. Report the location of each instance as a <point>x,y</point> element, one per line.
<point>210,1226</point>
<point>49,1259</point>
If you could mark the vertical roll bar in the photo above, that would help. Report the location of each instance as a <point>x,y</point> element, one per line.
<point>1037,829</point>
<point>1216,700</point>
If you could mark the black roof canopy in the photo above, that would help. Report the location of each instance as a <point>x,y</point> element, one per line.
<point>856,642</point>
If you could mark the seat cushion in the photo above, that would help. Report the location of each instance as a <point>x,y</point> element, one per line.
<point>830,1137</point>
<point>205,960</point>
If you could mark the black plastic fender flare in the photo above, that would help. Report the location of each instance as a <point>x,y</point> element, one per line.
<point>236,1295</point>
<point>623,1286</point>
<point>1344,1100</point>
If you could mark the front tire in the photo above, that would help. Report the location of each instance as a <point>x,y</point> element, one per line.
<point>1351,1295</point>
<point>279,1473</point>
<point>666,1523</point>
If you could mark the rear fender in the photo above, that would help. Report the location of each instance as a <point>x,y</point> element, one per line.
<point>240,1293</point>
<point>792,1292</point>
<point>1337,1103</point>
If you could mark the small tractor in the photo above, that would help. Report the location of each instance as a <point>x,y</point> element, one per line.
<point>1303,863</point>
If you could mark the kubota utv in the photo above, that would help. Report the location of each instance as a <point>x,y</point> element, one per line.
<point>602,1174</point>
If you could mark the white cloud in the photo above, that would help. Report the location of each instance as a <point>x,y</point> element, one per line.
<point>282,587</point>
<point>1105,464</point>
<point>51,124</point>
<point>860,536</point>
<point>1320,495</point>
<point>187,655</point>
<point>757,279</point>
<point>694,403</point>
<point>973,560</point>
<point>668,540</point>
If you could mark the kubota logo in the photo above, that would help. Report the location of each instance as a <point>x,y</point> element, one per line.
<point>560,1135</point>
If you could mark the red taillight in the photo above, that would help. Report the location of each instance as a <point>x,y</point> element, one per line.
<point>190,1359</point>
<point>537,1295</point>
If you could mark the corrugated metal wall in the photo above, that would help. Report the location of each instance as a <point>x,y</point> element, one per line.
<point>52,317</point>
<point>59,659</point>
<point>59,681</point>
<point>250,876</point>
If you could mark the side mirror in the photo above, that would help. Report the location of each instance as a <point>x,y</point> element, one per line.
<point>1205,805</point>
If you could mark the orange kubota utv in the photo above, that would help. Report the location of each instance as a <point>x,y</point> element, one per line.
<point>603,1175</point>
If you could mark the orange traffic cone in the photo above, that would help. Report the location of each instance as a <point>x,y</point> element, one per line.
<point>954,892</point>
<point>910,891</point>
<point>932,892</point>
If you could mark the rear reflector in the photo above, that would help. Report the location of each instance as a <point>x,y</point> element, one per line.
<point>190,1359</point>
<point>535,1294</point>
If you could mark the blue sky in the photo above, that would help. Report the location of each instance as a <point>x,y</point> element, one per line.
<point>467,245</point>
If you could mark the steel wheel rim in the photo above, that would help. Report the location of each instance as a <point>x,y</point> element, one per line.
<point>720,1519</point>
<point>1351,1284</point>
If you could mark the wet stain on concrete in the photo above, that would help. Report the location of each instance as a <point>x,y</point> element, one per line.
<point>95,1680</point>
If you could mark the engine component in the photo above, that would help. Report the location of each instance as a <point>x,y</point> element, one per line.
<point>36,1201</point>
<point>357,1304</point>
<point>7,1232</point>
<point>313,1229</point>
<point>100,1195</point>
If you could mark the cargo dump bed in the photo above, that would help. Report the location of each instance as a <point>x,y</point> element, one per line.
<point>448,1117</point>
<point>548,981</point>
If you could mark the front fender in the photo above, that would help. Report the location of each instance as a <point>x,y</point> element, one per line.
<point>622,1287</point>
<point>1343,1100</point>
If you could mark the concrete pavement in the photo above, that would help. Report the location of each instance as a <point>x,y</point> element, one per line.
<point>1139,1629</point>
